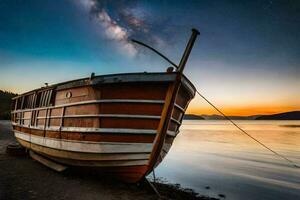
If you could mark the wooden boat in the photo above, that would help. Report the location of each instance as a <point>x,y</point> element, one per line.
<point>123,124</point>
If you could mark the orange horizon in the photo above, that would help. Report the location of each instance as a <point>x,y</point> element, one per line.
<point>242,111</point>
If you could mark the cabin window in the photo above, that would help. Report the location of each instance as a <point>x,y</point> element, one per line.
<point>13,104</point>
<point>40,99</point>
<point>44,98</point>
<point>19,103</point>
<point>28,101</point>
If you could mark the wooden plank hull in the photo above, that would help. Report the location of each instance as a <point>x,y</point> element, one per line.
<point>110,123</point>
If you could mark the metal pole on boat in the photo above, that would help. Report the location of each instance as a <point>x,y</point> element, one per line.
<point>188,50</point>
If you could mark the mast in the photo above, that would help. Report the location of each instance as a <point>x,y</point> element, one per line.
<point>188,50</point>
<point>169,105</point>
<point>185,55</point>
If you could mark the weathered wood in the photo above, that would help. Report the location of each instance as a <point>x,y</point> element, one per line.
<point>95,101</point>
<point>86,146</point>
<point>163,124</point>
<point>85,156</point>
<point>92,130</point>
<point>94,136</point>
<point>124,128</point>
<point>53,165</point>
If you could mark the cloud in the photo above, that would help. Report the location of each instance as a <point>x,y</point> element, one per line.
<point>115,32</point>
<point>111,29</point>
<point>122,20</point>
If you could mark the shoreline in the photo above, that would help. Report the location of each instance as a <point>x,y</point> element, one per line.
<point>23,178</point>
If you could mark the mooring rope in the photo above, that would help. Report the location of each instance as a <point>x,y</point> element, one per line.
<point>243,131</point>
<point>195,33</point>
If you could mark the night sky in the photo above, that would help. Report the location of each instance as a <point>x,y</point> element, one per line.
<point>246,61</point>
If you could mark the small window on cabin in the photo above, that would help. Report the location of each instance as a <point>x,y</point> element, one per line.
<point>19,103</point>
<point>52,98</point>
<point>13,104</point>
<point>28,101</point>
<point>44,98</point>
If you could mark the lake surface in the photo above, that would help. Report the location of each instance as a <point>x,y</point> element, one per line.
<point>215,154</point>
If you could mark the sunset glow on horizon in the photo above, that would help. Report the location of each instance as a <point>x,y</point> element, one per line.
<point>243,111</point>
<point>246,60</point>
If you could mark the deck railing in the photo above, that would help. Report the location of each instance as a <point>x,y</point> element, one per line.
<point>34,114</point>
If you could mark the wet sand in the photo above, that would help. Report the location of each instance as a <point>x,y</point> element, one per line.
<point>23,178</point>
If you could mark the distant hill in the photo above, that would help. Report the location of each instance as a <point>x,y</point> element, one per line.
<point>220,117</point>
<point>5,102</point>
<point>294,115</point>
<point>192,117</point>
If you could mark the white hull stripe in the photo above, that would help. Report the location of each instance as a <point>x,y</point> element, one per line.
<point>104,115</point>
<point>179,107</point>
<point>83,156</point>
<point>85,146</point>
<point>97,130</point>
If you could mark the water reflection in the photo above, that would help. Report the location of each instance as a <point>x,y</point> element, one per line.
<point>215,154</point>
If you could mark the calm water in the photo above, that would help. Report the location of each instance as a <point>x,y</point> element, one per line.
<point>215,154</point>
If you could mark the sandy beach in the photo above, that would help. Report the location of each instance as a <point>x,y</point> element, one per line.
<point>24,178</point>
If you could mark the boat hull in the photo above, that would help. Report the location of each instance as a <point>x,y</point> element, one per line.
<point>108,122</point>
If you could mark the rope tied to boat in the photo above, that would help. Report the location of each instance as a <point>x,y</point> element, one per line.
<point>246,133</point>
<point>180,68</point>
